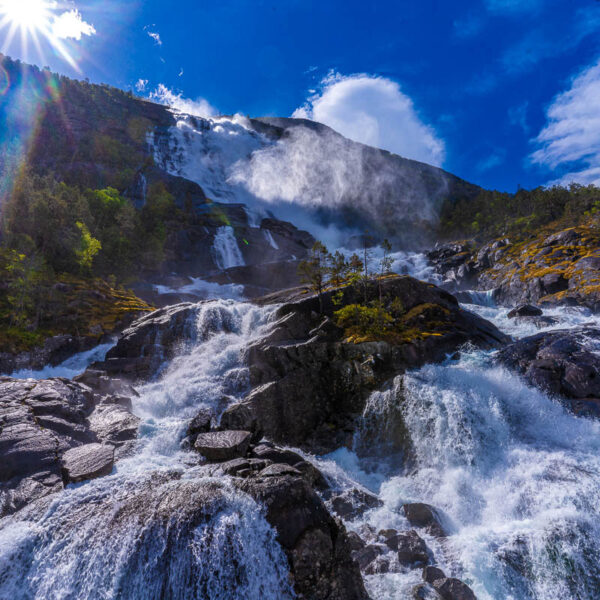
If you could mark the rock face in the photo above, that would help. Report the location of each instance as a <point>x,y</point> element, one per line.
<point>426,516</point>
<point>561,268</point>
<point>563,363</point>
<point>151,340</point>
<point>51,428</point>
<point>87,462</point>
<point>316,545</point>
<point>310,384</point>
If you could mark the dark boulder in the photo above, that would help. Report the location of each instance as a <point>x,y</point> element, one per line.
<point>200,423</point>
<point>426,516</point>
<point>316,545</point>
<point>353,503</point>
<point>411,548</point>
<point>222,445</point>
<point>448,588</point>
<point>563,363</point>
<point>525,310</point>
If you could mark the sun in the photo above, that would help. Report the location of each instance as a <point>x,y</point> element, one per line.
<point>34,20</point>
<point>27,15</point>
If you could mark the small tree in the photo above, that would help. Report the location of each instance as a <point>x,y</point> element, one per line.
<point>314,270</point>
<point>338,269</point>
<point>89,247</point>
<point>385,264</point>
<point>366,259</point>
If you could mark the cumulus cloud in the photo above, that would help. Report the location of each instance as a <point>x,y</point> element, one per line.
<point>374,111</point>
<point>199,107</point>
<point>70,25</point>
<point>571,138</point>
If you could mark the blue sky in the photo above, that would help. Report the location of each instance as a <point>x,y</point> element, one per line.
<point>501,92</point>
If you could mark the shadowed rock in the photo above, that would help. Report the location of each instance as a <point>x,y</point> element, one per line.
<point>424,515</point>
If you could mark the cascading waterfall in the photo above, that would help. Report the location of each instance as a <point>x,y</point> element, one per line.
<point>157,527</point>
<point>516,476</point>
<point>225,249</point>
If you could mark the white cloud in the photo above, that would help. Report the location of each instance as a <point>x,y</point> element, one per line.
<point>199,107</point>
<point>571,138</point>
<point>70,25</point>
<point>155,36</point>
<point>141,85</point>
<point>374,111</point>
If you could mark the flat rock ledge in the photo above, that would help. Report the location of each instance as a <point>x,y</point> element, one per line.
<point>87,462</point>
<point>222,445</point>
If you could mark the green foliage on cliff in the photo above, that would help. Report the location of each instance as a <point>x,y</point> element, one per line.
<point>492,214</point>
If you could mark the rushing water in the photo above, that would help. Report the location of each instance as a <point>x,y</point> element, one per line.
<point>157,527</point>
<point>515,476</point>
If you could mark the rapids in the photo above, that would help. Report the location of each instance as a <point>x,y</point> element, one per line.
<point>516,477</point>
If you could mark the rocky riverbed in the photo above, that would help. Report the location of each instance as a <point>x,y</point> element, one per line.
<point>348,470</point>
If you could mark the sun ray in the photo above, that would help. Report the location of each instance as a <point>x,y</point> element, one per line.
<point>34,20</point>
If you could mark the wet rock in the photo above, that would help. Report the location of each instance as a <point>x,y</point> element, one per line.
<point>222,445</point>
<point>355,542</point>
<point>448,588</point>
<point>244,467</point>
<point>316,545</point>
<point>366,555</point>
<point>433,574</point>
<point>353,503</point>
<point>200,423</point>
<point>39,422</point>
<point>382,564</point>
<point>411,548</point>
<point>424,592</point>
<point>561,362</point>
<point>310,386</point>
<point>454,589</point>
<point>424,515</point>
<point>525,310</point>
<point>87,462</point>
<point>149,341</point>
<point>278,470</point>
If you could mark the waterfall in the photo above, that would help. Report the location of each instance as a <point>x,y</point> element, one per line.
<point>157,527</point>
<point>225,250</point>
<point>516,477</point>
<point>269,238</point>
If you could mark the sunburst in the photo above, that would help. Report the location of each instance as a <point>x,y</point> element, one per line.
<point>33,20</point>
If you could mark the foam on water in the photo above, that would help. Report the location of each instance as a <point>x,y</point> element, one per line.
<point>74,365</point>
<point>157,528</point>
<point>516,476</point>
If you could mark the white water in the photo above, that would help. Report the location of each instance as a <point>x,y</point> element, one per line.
<point>225,249</point>
<point>157,528</point>
<point>516,477</point>
<point>74,365</point>
<point>205,290</point>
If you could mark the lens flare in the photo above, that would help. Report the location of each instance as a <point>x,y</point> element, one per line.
<point>27,15</point>
<point>36,20</point>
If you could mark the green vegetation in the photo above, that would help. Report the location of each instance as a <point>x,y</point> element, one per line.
<point>56,237</point>
<point>493,214</point>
